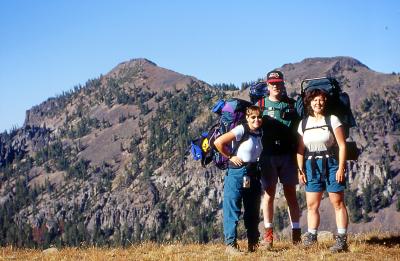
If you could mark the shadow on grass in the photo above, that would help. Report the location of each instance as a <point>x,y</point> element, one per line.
<point>275,249</point>
<point>389,241</point>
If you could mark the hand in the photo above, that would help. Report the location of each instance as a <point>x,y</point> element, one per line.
<point>236,160</point>
<point>302,177</point>
<point>340,175</point>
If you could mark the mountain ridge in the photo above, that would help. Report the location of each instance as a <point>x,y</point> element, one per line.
<point>111,157</point>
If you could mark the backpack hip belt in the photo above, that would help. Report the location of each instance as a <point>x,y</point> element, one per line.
<point>323,155</point>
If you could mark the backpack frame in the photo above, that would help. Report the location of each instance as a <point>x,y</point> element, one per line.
<point>338,101</point>
<point>231,114</point>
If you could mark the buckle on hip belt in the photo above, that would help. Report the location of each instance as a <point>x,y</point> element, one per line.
<point>318,156</point>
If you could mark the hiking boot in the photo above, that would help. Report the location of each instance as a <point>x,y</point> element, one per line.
<point>233,249</point>
<point>309,239</point>
<point>340,244</point>
<point>268,238</point>
<point>296,235</point>
<point>252,247</point>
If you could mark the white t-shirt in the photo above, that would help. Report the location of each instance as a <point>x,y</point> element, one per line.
<point>250,149</point>
<point>318,139</point>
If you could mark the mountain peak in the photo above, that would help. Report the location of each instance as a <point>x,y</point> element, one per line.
<point>142,61</point>
<point>343,61</point>
<point>137,62</point>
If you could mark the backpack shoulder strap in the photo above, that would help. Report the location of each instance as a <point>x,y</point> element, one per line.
<point>329,124</point>
<point>246,135</point>
<point>289,100</point>
<point>261,103</point>
<point>327,121</point>
<point>243,138</point>
<point>304,124</point>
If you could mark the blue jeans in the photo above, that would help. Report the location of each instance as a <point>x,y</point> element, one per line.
<point>234,194</point>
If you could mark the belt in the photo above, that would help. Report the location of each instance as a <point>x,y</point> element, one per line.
<point>319,156</point>
<point>251,167</point>
<point>248,165</point>
<point>313,156</point>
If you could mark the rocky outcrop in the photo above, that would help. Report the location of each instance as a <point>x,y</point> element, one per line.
<point>89,157</point>
<point>17,143</point>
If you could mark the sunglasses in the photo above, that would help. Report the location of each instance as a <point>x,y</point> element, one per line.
<point>277,84</point>
<point>254,117</point>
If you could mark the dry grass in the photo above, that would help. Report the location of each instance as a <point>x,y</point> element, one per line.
<point>361,247</point>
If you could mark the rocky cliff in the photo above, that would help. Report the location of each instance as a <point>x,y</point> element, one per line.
<point>108,162</point>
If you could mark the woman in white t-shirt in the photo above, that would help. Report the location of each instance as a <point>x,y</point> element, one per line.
<point>242,180</point>
<point>321,166</point>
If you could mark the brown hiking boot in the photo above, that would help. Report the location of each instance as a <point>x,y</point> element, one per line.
<point>233,250</point>
<point>296,235</point>
<point>268,238</point>
<point>340,244</point>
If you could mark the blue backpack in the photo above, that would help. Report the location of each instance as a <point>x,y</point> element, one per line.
<point>339,101</point>
<point>200,149</point>
<point>232,113</point>
<point>338,105</point>
<point>258,91</point>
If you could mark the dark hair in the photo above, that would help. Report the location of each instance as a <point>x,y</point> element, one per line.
<point>253,108</point>
<point>310,96</point>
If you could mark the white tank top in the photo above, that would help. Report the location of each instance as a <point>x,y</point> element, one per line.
<point>318,139</point>
<point>249,150</point>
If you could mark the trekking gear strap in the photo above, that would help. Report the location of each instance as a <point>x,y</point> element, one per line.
<point>324,165</point>
<point>244,137</point>
<point>327,121</point>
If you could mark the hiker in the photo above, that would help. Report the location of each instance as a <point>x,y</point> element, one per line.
<point>242,182</point>
<point>322,167</point>
<point>278,158</point>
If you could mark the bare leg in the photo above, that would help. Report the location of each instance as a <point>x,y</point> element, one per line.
<point>337,200</point>
<point>313,203</point>
<point>268,204</point>
<point>290,195</point>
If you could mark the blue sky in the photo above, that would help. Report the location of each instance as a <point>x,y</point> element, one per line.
<point>47,47</point>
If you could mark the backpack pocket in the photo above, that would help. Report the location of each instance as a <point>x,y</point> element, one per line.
<point>352,151</point>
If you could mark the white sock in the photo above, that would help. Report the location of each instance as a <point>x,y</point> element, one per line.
<point>342,231</point>
<point>295,225</point>
<point>313,231</point>
<point>268,225</point>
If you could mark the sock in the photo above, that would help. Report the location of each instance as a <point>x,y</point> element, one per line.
<point>342,231</point>
<point>268,225</point>
<point>295,225</point>
<point>313,231</point>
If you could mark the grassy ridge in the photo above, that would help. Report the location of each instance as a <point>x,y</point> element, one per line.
<point>362,247</point>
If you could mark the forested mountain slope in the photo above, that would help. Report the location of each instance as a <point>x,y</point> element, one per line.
<point>108,162</point>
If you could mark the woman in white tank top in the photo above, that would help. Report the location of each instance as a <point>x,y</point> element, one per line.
<point>320,168</point>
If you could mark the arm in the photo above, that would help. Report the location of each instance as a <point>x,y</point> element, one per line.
<point>300,161</point>
<point>221,142</point>
<point>341,141</point>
